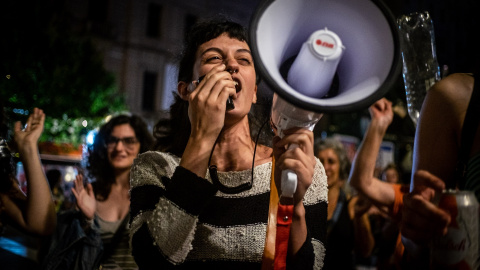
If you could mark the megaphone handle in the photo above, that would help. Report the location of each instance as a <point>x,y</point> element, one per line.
<point>289,180</point>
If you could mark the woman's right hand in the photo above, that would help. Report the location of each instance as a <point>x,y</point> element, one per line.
<point>207,102</point>
<point>381,112</point>
<point>85,197</point>
<point>26,139</point>
<point>206,111</point>
<point>300,159</point>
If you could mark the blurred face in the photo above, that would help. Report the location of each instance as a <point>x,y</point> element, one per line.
<point>390,176</point>
<point>330,161</point>
<point>122,147</point>
<point>237,57</point>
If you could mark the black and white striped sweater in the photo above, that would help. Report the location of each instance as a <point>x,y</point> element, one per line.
<point>179,220</point>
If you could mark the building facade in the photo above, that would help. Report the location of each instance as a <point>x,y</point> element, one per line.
<point>141,39</point>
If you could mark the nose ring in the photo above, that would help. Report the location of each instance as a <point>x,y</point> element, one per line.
<point>231,71</point>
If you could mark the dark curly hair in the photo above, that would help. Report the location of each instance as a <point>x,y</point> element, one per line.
<point>6,161</point>
<point>98,166</point>
<point>172,133</point>
<point>6,167</point>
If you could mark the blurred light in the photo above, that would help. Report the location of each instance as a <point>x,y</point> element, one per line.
<point>20,111</point>
<point>84,123</point>
<point>16,247</point>
<point>19,170</point>
<point>70,174</point>
<point>91,137</point>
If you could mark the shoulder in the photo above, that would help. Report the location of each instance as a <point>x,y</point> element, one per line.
<point>446,102</point>
<point>318,190</point>
<point>156,157</point>
<point>319,170</point>
<point>454,90</point>
<point>150,167</point>
<point>455,80</point>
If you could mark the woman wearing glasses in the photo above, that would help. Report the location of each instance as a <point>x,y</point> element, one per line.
<point>104,204</point>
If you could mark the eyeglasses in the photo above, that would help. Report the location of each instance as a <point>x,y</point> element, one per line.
<point>128,142</point>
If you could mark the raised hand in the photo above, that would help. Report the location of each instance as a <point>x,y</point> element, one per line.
<point>207,102</point>
<point>381,112</point>
<point>206,112</point>
<point>85,197</point>
<point>27,139</point>
<point>38,214</point>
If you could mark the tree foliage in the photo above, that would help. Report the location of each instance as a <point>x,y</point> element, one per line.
<point>44,64</point>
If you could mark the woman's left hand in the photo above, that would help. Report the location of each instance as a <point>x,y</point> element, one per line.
<point>299,159</point>
<point>85,197</point>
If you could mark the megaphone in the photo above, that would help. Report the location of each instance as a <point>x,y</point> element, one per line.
<point>287,38</point>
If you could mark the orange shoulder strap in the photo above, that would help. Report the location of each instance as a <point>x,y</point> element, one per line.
<point>269,250</point>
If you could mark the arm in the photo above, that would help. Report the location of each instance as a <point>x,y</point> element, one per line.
<point>311,254</point>
<point>302,161</point>
<point>37,214</point>
<point>438,130</point>
<point>207,118</point>
<point>421,218</point>
<point>364,240</point>
<point>363,166</point>
<point>437,137</point>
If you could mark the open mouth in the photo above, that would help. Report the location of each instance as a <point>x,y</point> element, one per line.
<point>118,157</point>
<point>238,86</point>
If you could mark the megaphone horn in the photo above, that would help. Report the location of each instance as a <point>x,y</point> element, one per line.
<point>369,65</point>
<point>299,48</point>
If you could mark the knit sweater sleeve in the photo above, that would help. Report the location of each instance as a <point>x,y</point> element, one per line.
<point>166,200</point>
<point>312,253</point>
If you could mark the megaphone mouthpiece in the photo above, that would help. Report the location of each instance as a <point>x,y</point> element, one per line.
<point>325,44</point>
<point>313,70</point>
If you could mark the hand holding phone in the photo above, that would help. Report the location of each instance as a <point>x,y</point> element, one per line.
<point>230,105</point>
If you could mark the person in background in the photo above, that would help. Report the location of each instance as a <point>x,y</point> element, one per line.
<point>391,174</point>
<point>438,140</point>
<point>54,177</point>
<point>349,235</point>
<point>33,212</point>
<point>187,213</point>
<point>386,195</point>
<point>96,235</point>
